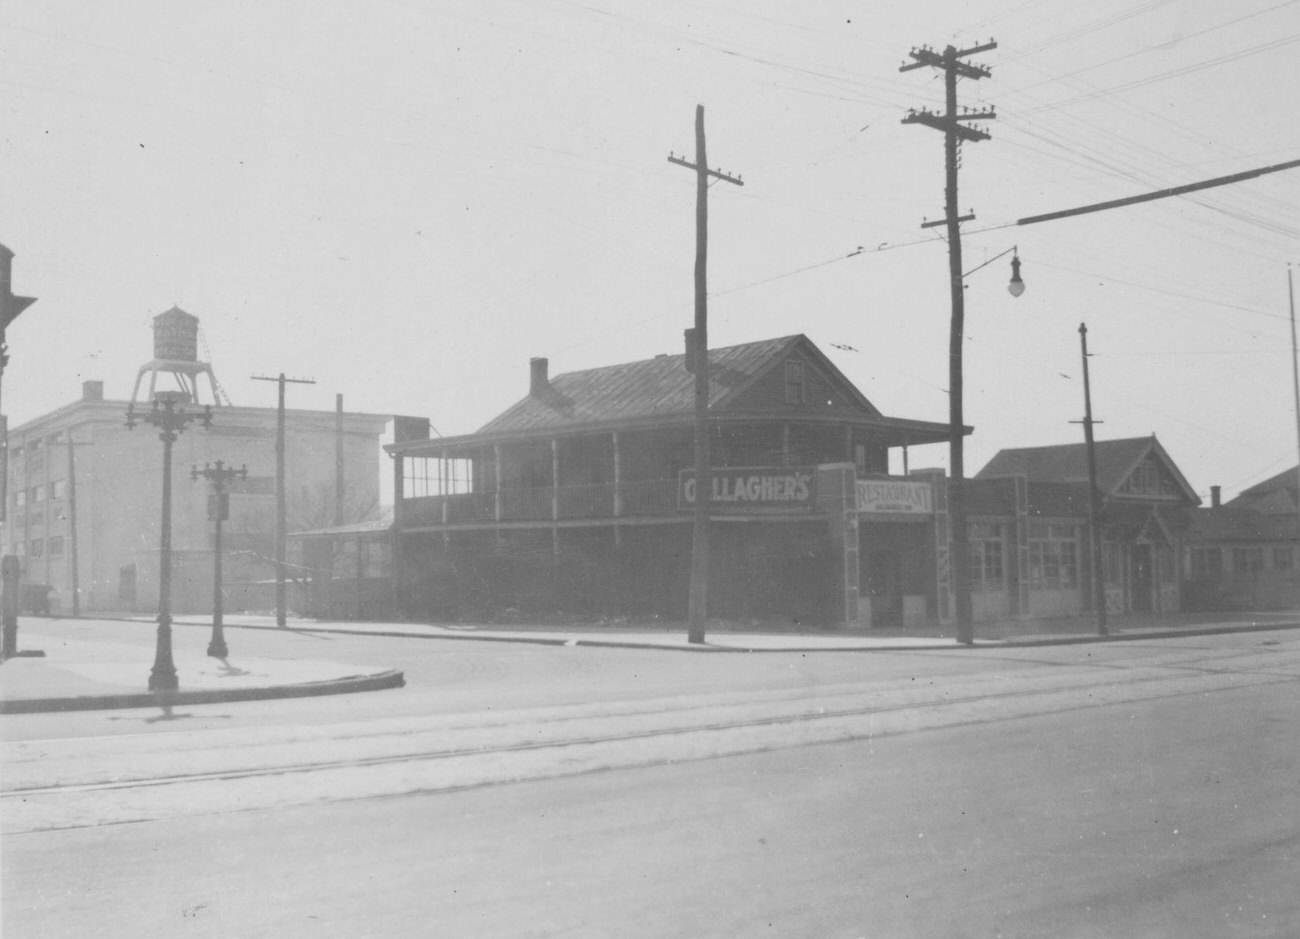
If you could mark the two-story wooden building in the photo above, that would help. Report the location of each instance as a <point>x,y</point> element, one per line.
<point>578,498</point>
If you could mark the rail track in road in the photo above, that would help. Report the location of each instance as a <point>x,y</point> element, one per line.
<point>70,783</point>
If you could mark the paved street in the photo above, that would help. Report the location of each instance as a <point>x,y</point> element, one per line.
<point>1143,788</point>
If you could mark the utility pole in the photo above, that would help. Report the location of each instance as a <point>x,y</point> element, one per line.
<point>697,359</point>
<point>280,520</point>
<point>954,131</point>
<point>1295,380</point>
<point>1094,495</point>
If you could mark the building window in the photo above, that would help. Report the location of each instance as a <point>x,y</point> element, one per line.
<point>20,498</point>
<point>38,494</point>
<point>1053,556</point>
<point>1247,560</point>
<point>985,556</point>
<point>37,548</point>
<point>430,476</point>
<point>1207,562</point>
<point>58,488</point>
<point>795,389</point>
<point>1283,558</point>
<point>56,546</point>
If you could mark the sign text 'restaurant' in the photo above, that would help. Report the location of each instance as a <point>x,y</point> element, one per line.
<point>886,495</point>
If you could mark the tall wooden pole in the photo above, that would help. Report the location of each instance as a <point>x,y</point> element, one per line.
<point>954,131</point>
<point>697,357</point>
<point>1094,496</point>
<point>281,512</point>
<point>1295,381</point>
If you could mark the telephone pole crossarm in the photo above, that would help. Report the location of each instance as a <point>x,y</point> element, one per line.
<point>716,174</point>
<point>944,123</point>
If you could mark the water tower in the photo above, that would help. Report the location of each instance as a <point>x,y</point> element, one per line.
<point>176,353</point>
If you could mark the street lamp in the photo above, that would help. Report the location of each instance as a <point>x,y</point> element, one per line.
<point>218,511</point>
<point>959,538</point>
<point>171,418</point>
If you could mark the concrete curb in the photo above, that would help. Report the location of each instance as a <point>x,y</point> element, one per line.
<point>1073,639</point>
<point>1152,634</point>
<point>391,678</point>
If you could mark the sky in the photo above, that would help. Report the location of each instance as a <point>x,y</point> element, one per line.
<point>406,200</point>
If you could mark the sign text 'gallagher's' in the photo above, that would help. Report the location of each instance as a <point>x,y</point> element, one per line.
<point>785,486</point>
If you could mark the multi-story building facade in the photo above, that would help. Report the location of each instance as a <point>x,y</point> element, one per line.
<point>579,498</point>
<point>84,494</point>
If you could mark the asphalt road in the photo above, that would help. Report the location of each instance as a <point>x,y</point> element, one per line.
<point>1131,789</point>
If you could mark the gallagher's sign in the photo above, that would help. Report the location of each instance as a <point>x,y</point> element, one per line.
<point>880,496</point>
<point>759,487</point>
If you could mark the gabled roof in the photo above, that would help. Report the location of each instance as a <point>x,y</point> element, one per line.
<point>1283,480</point>
<point>661,387</point>
<point>1275,494</point>
<point>1068,463</point>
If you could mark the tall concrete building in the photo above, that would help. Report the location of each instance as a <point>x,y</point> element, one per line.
<point>85,491</point>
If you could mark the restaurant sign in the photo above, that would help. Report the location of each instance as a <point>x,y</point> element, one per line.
<point>753,487</point>
<point>881,496</point>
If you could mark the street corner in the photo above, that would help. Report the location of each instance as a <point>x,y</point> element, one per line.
<point>87,685</point>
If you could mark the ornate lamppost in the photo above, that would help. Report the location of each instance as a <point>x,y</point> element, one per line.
<point>171,418</point>
<point>218,511</point>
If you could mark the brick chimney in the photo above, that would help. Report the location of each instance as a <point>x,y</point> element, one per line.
<point>539,379</point>
<point>92,391</point>
<point>1216,498</point>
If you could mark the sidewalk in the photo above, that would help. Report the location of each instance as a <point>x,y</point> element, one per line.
<point>88,675</point>
<point>82,675</point>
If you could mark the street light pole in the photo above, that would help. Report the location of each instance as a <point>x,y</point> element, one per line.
<point>218,511</point>
<point>171,419</point>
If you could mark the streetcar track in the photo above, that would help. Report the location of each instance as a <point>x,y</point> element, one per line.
<point>675,729</point>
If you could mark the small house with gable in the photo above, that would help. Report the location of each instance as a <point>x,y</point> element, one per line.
<point>1029,529</point>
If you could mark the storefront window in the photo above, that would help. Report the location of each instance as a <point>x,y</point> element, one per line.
<point>1053,556</point>
<point>986,570</point>
<point>1247,560</point>
<point>1207,562</point>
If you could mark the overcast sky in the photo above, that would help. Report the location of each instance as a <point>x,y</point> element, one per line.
<point>405,200</point>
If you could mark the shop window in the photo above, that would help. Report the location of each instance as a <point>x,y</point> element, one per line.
<point>986,569</point>
<point>1283,558</point>
<point>795,387</point>
<point>1053,556</point>
<point>1207,562</point>
<point>1247,560</point>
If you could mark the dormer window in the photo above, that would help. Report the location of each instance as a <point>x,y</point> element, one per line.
<point>795,387</point>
